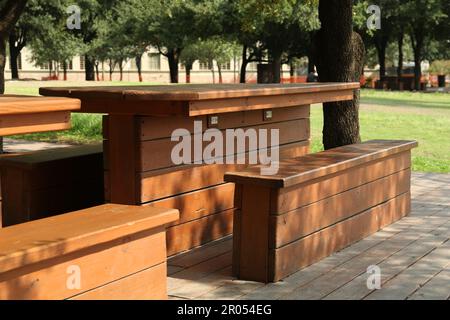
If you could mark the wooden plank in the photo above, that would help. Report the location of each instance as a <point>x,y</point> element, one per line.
<point>200,203</point>
<point>98,265</point>
<point>52,237</point>
<point>20,104</point>
<point>287,199</point>
<point>35,122</point>
<point>309,167</point>
<point>122,155</point>
<point>306,220</point>
<point>289,132</point>
<point>192,234</point>
<point>148,284</point>
<point>193,91</point>
<point>151,128</point>
<point>198,108</point>
<point>159,184</point>
<point>321,244</point>
<point>253,238</point>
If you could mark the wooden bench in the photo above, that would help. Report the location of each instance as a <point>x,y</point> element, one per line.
<point>44,183</point>
<point>105,252</point>
<point>316,205</point>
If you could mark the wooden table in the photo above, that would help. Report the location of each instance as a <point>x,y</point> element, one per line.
<point>137,144</point>
<point>28,114</point>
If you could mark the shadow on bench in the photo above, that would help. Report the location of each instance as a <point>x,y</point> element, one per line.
<point>316,205</point>
<point>105,252</point>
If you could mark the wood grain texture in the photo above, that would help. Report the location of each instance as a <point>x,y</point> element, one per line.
<point>168,182</point>
<point>321,244</point>
<point>306,220</point>
<point>20,104</point>
<point>287,199</point>
<point>194,233</point>
<point>309,167</point>
<point>48,238</point>
<point>98,264</point>
<point>187,100</point>
<point>149,284</point>
<point>289,132</point>
<point>36,122</point>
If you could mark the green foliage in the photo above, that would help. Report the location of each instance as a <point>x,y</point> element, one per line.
<point>440,67</point>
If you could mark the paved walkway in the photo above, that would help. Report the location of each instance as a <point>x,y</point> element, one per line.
<point>12,145</point>
<point>413,255</point>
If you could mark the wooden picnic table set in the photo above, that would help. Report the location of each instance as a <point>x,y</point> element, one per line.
<point>125,206</point>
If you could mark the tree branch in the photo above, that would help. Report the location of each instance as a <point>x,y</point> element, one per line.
<point>9,14</point>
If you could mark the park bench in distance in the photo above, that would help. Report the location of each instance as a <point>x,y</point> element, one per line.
<point>105,252</point>
<point>44,183</point>
<point>316,205</point>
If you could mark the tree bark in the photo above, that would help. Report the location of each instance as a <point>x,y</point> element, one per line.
<point>243,73</point>
<point>139,67</point>
<point>89,68</point>
<point>13,55</point>
<point>65,70</point>
<point>400,55</point>
<point>188,72</point>
<point>417,39</point>
<point>310,63</point>
<point>381,52</point>
<point>339,56</point>
<point>173,55</point>
<point>2,64</point>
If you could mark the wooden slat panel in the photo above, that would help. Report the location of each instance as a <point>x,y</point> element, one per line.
<point>198,108</point>
<point>195,233</point>
<point>289,198</point>
<point>301,222</point>
<point>309,167</point>
<point>98,265</point>
<point>200,203</point>
<point>144,285</point>
<point>20,104</point>
<point>165,183</point>
<point>36,122</point>
<point>162,127</point>
<point>321,244</point>
<point>49,238</point>
<point>289,132</point>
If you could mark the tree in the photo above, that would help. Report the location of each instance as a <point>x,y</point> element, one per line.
<point>339,56</point>
<point>424,18</point>
<point>10,11</point>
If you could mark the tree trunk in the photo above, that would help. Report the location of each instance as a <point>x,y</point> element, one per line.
<point>417,70</point>
<point>2,64</point>
<point>211,63</point>
<point>121,69</point>
<point>400,55</point>
<point>381,52</point>
<point>219,69</point>
<point>65,70</point>
<point>50,69</point>
<point>97,73</point>
<point>339,57</point>
<point>139,67</point>
<point>243,73</point>
<point>188,72</point>
<point>89,68</point>
<point>276,64</point>
<point>13,55</point>
<point>173,56</point>
<point>310,63</point>
<point>103,70</point>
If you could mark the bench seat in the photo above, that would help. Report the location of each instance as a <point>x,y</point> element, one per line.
<point>316,205</point>
<point>105,252</point>
<point>44,183</point>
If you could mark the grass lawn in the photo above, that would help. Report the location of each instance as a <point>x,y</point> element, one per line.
<point>384,115</point>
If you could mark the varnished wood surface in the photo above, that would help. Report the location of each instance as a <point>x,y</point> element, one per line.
<point>193,91</point>
<point>313,166</point>
<point>19,104</point>
<point>197,100</point>
<point>48,238</point>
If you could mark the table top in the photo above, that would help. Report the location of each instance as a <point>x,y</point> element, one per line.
<point>192,92</point>
<point>200,99</point>
<point>18,104</point>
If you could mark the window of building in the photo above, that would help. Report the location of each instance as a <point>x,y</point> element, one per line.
<point>226,66</point>
<point>205,66</point>
<point>82,63</point>
<point>44,66</point>
<point>154,61</point>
